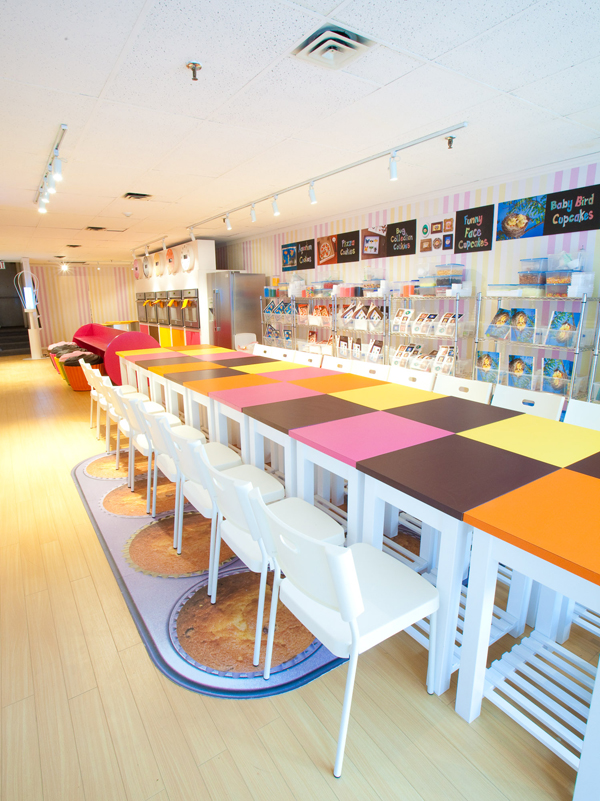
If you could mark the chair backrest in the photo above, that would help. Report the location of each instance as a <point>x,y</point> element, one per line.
<point>187,455</point>
<point>243,340</point>
<point>134,418</point>
<point>378,371</point>
<point>116,401</point>
<point>283,354</point>
<point>583,413</point>
<point>466,388</point>
<point>309,359</point>
<point>326,573</point>
<point>334,363</point>
<point>222,488</point>
<point>160,442</point>
<point>418,379</point>
<point>263,350</point>
<point>540,404</point>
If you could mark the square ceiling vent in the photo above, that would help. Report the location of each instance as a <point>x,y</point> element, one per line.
<point>333,48</point>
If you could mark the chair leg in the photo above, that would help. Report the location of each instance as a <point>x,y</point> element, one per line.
<point>149,482</point>
<point>431,655</point>
<point>260,611</point>
<point>272,621</point>
<point>98,419</point>
<point>180,519</point>
<point>155,491</point>
<point>107,431</point>
<point>118,447</point>
<point>216,560</point>
<point>129,482</point>
<point>91,410</point>
<point>213,530</point>
<point>341,746</point>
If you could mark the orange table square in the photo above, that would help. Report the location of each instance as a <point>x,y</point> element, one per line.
<point>187,348</point>
<point>184,368</point>
<point>337,383</point>
<point>231,382</point>
<point>555,518</point>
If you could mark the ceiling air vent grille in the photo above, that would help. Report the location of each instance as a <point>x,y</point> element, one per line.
<point>333,48</point>
<point>95,228</point>
<point>136,196</point>
<point>73,246</point>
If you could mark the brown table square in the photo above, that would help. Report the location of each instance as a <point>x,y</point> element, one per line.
<point>301,412</point>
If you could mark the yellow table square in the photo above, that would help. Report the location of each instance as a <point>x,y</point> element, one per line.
<point>545,440</point>
<point>386,396</point>
<point>269,367</point>
<point>189,350</point>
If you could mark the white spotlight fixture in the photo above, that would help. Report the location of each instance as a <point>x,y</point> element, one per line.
<point>192,234</point>
<point>51,186</point>
<point>393,167</point>
<point>227,222</point>
<point>44,196</point>
<point>164,244</point>
<point>64,267</point>
<point>276,211</point>
<point>252,214</point>
<point>57,168</point>
<point>311,193</point>
<point>146,250</point>
<point>42,207</point>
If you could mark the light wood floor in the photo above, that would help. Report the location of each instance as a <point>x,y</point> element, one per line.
<point>85,715</point>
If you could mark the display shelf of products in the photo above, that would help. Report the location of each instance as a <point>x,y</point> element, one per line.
<point>544,344</point>
<point>314,319</point>
<point>361,329</point>
<point>449,324</point>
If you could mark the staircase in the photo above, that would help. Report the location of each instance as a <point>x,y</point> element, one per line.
<point>14,341</point>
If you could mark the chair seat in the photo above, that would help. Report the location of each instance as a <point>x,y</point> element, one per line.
<point>270,488</point>
<point>171,419</point>
<point>220,456</point>
<point>124,427</point>
<point>141,443</point>
<point>127,389</point>
<point>190,434</point>
<point>198,497</point>
<point>94,394</point>
<point>309,520</point>
<point>394,597</point>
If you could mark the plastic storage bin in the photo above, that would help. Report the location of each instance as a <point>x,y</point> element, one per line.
<point>536,277</point>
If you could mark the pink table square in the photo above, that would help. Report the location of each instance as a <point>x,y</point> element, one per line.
<point>299,373</point>
<point>353,439</point>
<point>264,393</point>
<point>210,357</point>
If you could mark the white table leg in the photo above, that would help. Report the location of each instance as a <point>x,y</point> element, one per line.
<point>290,459</point>
<point>519,595</point>
<point>373,514</point>
<point>548,615</point>
<point>390,524</point>
<point>356,493</point>
<point>453,549</point>
<point>478,621</point>
<point>337,490</point>
<point>306,475</point>
<point>430,545</point>
<point>566,618</point>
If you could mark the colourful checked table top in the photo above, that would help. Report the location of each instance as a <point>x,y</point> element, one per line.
<point>266,368</point>
<point>339,382</point>
<point>386,396</point>
<point>235,381</point>
<point>288,414</point>
<point>258,395</point>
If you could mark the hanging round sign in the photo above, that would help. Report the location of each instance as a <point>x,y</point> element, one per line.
<point>137,269</point>
<point>187,259</point>
<point>147,267</point>
<point>170,257</point>
<point>159,265</point>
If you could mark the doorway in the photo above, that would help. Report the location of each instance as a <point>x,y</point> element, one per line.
<point>14,338</point>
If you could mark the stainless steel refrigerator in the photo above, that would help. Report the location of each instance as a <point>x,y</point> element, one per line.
<point>234,305</point>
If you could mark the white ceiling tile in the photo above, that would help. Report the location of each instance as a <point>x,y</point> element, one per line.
<point>290,96</point>
<point>589,117</point>
<point>233,44</point>
<point>566,92</point>
<point>382,65</point>
<point>70,46</point>
<point>426,28</point>
<point>543,40</point>
<point>214,148</point>
<point>132,137</point>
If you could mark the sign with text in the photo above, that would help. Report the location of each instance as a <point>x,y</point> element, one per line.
<point>402,238</point>
<point>474,229</point>
<point>348,247</point>
<point>306,254</point>
<point>572,210</point>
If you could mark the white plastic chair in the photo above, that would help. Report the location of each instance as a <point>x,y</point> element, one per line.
<point>466,388</point>
<point>351,599</point>
<point>168,460</point>
<point>309,359</point>
<point>232,525</point>
<point>370,370</point>
<point>334,363</point>
<point>264,350</point>
<point>539,404</point>
<point>118,414</point>
<point>282,354</point>
<point>244,341</point>
<point>305,517</point>
<point>411,378</point>
<point>583,413</point>
<point>139,441</point>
